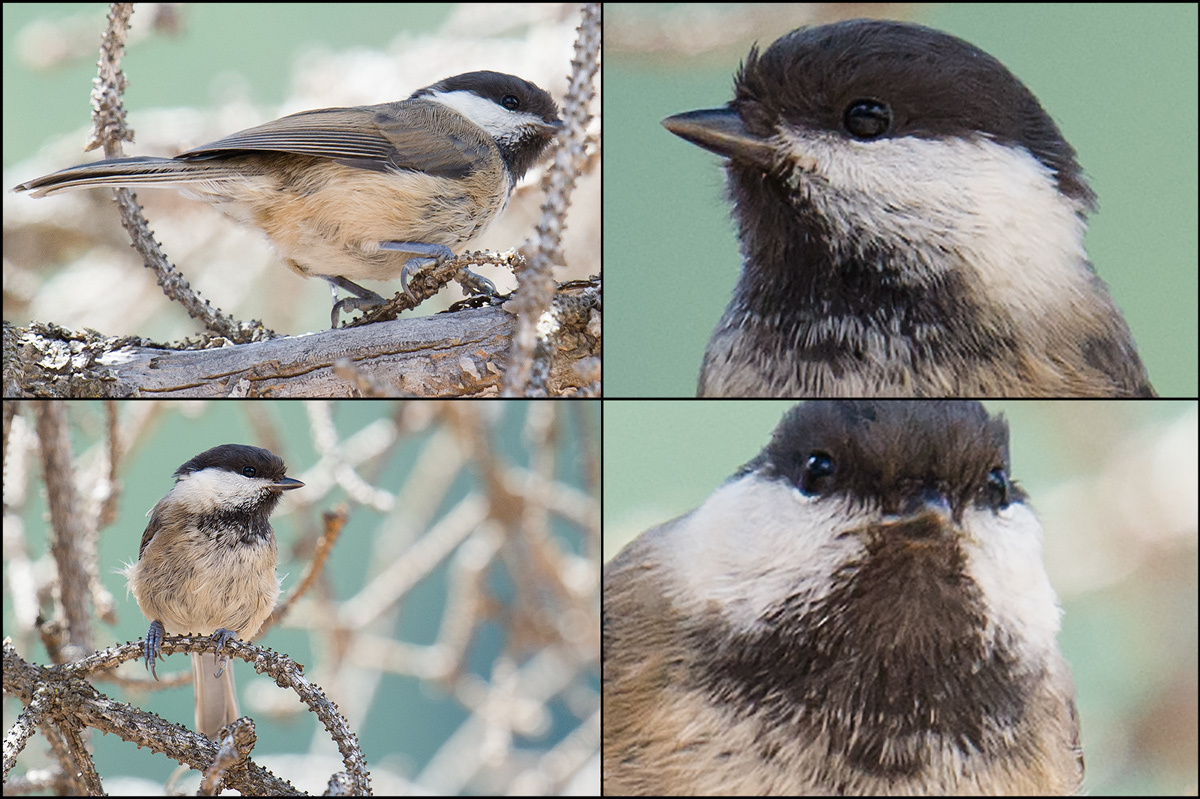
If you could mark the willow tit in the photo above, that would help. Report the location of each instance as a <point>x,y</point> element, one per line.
<point>372,192</point>
<point>861,609</point>
<point>911,224</point>
<point>207,564</point>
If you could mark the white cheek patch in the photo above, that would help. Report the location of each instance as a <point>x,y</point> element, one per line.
<point>1004,556</point>
<point>754,543</point>
<point>975,201</point>
<point>209,489</point>
<point>498,121</point>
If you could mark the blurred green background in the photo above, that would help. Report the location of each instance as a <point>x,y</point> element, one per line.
<point>1115,486</point>
<point>1120,79</point>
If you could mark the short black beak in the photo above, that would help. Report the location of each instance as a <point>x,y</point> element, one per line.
<point>722,131</point>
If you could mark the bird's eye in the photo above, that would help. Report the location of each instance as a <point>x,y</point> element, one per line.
<point>818,472</point>
<point>867,119</point>
<point>999,489</point>
<point>249,471</point>
<point>510,102</point>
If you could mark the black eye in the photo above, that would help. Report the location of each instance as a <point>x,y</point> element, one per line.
<point>998,488</point>
<point>817,474</point>
<point>510,102</point>
<point>249,471</point>
<point>867,119</point>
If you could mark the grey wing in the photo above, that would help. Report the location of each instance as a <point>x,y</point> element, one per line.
<point>152,528</point>
<point>393,136</point>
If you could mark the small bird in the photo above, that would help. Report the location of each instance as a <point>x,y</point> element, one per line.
<point>860,610</point>
<point>911,224</point>
<point>207,562</point>
<point>375,192</point>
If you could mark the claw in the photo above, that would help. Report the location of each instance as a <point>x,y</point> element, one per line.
<point>351,304</point>
<point>475,284</point>
<point>222,637</point>
<point>423,255</point>
<point>153,646</point>
<point>364,299</point>
<point>412,266</point>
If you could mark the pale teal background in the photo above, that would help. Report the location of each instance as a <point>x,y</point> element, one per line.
<point>663,458</point>
<point>252,45</point>
<point>1131,638</point>
<point>410,720</point>
<point>1120,79</point>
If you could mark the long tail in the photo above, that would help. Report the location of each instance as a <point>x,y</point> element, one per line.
<point>136,171</point>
